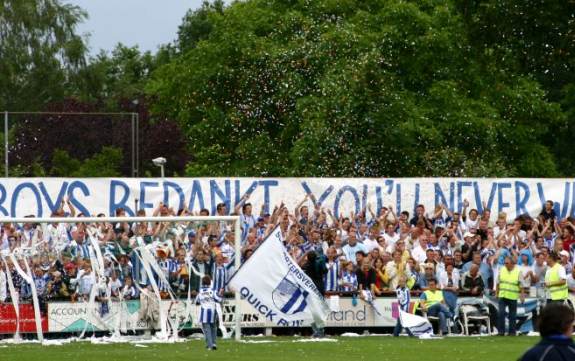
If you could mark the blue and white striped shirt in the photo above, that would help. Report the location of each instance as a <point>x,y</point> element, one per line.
<point>403,298</point>
<point>168,266</point>
<point>351,278</point>
<point>82,250</point>
<point>207,299</point>
<point>220,277</point>
<point>332,277</point>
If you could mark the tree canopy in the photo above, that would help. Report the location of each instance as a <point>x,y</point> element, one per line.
<point>378,88</point>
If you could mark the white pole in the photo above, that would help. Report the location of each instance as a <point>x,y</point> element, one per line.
<point>6,144</point>
<point>237,265</point>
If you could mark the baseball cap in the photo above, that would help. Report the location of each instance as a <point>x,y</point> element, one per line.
<point>468,234</point>
<point>564,253</point>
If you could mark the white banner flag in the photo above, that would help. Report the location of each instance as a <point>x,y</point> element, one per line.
<point>419,326</point>
<point>274,284</point>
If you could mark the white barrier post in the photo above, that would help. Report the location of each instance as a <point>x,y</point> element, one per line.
<point>237,265</point>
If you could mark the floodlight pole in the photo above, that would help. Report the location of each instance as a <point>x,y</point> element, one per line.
<point>6,144</point>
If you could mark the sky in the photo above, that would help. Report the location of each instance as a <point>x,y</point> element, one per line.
<point>146,23</point>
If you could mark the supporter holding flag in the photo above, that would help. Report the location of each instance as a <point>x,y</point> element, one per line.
<point>315,268</point>
<point>271,277</point>
<point>403,299</point>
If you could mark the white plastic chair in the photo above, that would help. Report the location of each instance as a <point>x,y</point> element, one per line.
<point>467,313</point>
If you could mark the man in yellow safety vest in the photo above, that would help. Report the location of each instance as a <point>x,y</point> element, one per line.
<point>432,302</point>
<point>556,280</point>
<point>508,291</point>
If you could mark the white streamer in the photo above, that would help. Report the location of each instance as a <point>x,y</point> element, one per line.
<point>30,280</point>
<point>163,323</point>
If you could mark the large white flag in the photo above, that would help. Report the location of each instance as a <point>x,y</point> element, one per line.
<point>419,326</point>
<point>274,284</point>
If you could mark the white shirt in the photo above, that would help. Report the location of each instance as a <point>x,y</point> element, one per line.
<point>469,224</point>
<point>350,251</point>
<point>85,282</point>
<point>390,239</point>
<point>370,244</point>
<point>571,281</point>
<point>523,272</point>
<point>444,279</point>
<point>418,254</point>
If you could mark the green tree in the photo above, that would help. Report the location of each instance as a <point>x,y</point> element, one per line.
<point>38,46</point>
<point>198,24</point>
<point>107,163</point>
<point>353,88</point>
<point>122,74</point>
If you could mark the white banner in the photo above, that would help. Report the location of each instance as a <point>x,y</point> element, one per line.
<point>72,317</point>
<point>273,283</point>
<point>42,196</point>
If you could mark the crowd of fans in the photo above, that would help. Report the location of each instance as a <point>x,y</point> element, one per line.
<point>461,253</point>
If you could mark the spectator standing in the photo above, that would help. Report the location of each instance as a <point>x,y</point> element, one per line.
<point>403,299</point>
<point>556,280</point>
<point>508,290</point>
<point>208,298</point>
<point>314,267</point>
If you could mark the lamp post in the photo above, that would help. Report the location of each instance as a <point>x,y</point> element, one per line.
<point>160,162</point>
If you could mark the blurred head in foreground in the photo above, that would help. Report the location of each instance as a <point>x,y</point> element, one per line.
<point>556,319</point>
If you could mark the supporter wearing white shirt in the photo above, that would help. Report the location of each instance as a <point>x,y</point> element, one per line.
<point>525,271</point>
<point>565,261</point>
<point>85,281</point>
<point>352,247</point>
<point>571,282</point>
<point>472,221</point>
<point>114,285</point>
<point>419,250</point>
<point>370,242</point>
<point>390,235</point>
<point>443,278</point>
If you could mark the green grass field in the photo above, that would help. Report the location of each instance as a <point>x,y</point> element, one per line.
<point>284,348</point>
